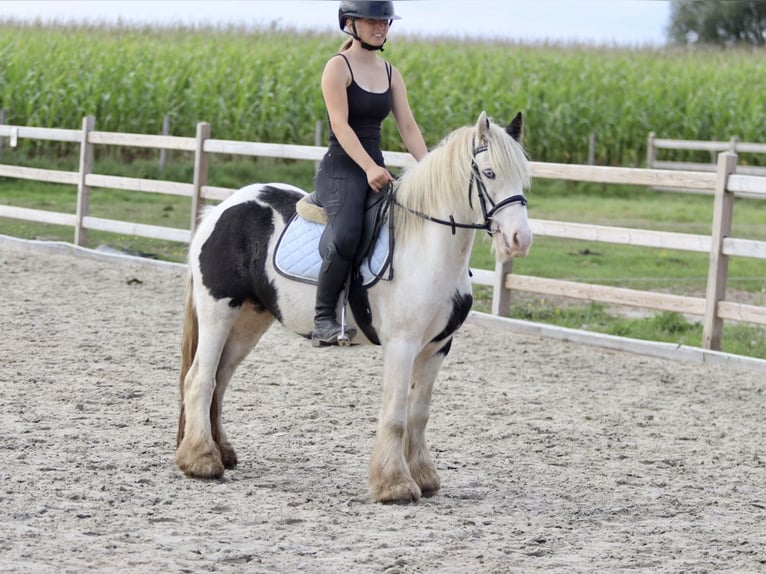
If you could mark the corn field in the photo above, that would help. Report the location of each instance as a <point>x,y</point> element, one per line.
<point>264,86</point>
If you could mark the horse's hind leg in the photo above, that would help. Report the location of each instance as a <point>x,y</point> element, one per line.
<point>421,466</point>
<point>245,334</point>
<point>198,455</point>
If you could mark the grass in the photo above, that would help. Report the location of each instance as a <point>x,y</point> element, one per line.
<point>147,208</point>
<point>665,326</point>
<point>677,272</point>
<point>625,265</point>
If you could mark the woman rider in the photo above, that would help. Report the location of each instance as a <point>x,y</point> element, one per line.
<point>359,89</point>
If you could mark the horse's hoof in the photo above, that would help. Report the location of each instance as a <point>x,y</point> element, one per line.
<point>228,456</point>
<point>207,465</point>
<point>429,482</point>
<point>206,468</point>
<point>401,493</point>
<point>429,492</point>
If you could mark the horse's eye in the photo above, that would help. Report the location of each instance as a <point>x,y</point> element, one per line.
<point>489,174</point>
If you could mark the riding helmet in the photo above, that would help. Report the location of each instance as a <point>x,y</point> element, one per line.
<point>369,10</point>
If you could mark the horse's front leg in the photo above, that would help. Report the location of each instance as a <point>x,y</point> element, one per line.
<point>421,466</point>
<point>389,477</point>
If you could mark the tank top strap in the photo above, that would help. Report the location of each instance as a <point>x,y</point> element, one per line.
<point>388,71</point>
<point>349,66</point>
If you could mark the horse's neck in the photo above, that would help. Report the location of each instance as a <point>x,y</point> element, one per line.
<point>438,248</point>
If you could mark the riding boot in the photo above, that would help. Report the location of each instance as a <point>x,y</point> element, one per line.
<point>332,278</point>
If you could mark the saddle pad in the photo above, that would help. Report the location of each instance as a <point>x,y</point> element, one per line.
<point>297,253</point>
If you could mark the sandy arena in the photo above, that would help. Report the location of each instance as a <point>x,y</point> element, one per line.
<point>554,457</point>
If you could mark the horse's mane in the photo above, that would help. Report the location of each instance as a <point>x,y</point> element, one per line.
<point>438,184</point>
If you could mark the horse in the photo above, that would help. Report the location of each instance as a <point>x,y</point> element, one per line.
<point>474,179</point>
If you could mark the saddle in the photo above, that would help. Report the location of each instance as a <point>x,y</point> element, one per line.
<point>297,254</point>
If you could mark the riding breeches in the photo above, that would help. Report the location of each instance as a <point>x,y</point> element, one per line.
<point>342,188</point>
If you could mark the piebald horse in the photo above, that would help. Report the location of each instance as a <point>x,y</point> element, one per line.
<point>474,179</point>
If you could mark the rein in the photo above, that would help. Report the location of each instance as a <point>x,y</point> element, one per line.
<point>484,198</point>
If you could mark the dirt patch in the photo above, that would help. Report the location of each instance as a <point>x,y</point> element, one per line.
<point>554,457</point>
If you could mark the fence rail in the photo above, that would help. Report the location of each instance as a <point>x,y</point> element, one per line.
<point>724,184</point>
<point>714,147</point>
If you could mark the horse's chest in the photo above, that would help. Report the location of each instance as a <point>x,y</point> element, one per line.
<point>454,315</point>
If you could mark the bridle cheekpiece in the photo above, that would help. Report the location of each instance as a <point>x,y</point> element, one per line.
<point>477,180</point>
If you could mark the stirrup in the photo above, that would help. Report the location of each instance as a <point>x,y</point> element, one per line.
<point>336,334</point>
<point>345,336</point>
<point>344,339</point>
<point>340,337</point>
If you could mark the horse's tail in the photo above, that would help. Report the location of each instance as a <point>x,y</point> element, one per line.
<point>188,350</point>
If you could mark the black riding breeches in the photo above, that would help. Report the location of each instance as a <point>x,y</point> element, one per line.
<point>342,188</point>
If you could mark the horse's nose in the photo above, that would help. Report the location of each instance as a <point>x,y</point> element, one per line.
<point>522,240</point>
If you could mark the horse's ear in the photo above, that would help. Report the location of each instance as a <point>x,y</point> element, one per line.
<point>515,128</point>
<point>482,127</point>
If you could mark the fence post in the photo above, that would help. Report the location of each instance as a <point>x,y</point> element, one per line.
<point>201,161</point>
<point>165,131</point>
<point>723,205</point>
<point>83,190</point>
<point>592,149</point>
<point>733,143</point>
<point>651,151</point>
<point>2,122</point>
<point>501,295</point>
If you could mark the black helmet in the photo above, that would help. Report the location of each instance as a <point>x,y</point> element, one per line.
<point>369,10</point>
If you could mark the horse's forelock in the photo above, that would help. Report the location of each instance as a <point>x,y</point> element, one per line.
<point>508,156</point>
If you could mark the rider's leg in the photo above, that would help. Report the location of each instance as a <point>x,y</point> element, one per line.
<point>341,189</point>
<point>332,278</point>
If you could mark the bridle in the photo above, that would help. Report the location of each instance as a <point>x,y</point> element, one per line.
<point>477,181</point>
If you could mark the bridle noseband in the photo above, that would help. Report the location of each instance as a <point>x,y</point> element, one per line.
<point>481,191</point>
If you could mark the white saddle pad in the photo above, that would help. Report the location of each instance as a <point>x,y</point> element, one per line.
<point>297,253</point>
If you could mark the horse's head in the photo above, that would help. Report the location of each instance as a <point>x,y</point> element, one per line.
<point>500,173</point>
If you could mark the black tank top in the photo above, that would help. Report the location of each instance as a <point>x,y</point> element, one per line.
<point>366,110</point>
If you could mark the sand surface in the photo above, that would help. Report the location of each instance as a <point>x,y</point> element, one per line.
<point>554,457</point>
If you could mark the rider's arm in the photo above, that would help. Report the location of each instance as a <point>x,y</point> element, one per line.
<point>405,121</point>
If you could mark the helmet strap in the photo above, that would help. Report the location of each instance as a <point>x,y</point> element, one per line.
<point>364,44</point>
<point>370,47</point>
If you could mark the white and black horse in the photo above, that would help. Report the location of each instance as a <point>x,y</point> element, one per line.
<point>474,179</point>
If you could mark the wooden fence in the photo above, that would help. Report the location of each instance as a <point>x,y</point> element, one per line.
<point>734,146</point>
<point>723,183</point>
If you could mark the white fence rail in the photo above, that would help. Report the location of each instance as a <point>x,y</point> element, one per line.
<point>724,184</point>
<point>714,147</point>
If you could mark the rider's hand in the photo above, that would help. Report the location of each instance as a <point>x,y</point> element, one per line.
<point>378,177</point>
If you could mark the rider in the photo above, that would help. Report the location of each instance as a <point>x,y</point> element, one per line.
<point>360,89</point>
